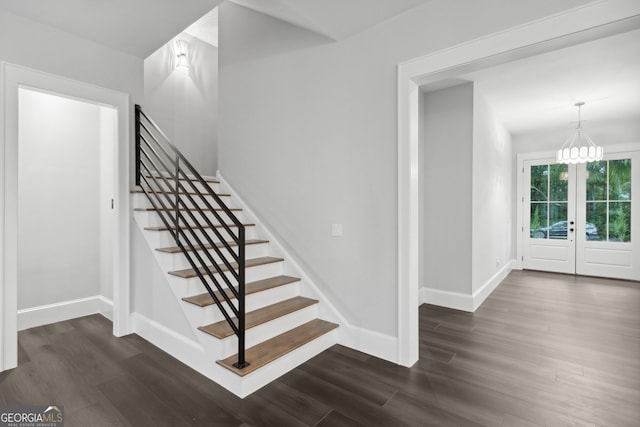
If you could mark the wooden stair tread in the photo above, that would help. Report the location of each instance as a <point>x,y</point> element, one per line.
<point>190,272</point>
<point>165,228</point>
<point>205,300</point>
<point>276,347</point>
<point>138,190</point>
<point>254,318</point>
<point>176,249</point>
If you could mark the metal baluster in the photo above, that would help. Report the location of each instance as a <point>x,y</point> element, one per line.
<point>138,160</point>
<point>242,363</point>
<point>177,199</point>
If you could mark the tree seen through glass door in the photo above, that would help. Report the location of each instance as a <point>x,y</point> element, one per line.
<point>609,200</point>
<point>549,204</point>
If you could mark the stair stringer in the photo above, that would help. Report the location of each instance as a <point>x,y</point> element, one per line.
<point>365,340</point>
<point>201,355</point>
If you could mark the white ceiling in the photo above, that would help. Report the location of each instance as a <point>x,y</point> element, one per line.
<point>539,92</point>
<point>336,19</point>
<point>138,27</point>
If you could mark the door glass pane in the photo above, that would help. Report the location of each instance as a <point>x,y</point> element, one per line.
<point>558,221</point>
<point>597,180</point>
<point>609,182</point>
<point>620,179</point>
<point>596,220</point>
<point>539,183</point>
<point>619,221</point>
<point>549,192</point>
<point>558,182</point>
<point>538,224</point>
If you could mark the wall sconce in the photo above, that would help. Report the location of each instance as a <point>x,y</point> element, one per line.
<point>182,56</point>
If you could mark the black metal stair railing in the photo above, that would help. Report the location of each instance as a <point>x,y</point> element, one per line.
<point>170,183</point>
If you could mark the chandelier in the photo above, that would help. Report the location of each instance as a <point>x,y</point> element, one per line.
<point>579,148</point>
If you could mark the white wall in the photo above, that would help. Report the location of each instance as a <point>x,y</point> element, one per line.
<point>185,106</point>
<point>58,182</point>
<point>447,178</point>
<point>307,135</point>
<point>151,296</point>
<point>493,221</point>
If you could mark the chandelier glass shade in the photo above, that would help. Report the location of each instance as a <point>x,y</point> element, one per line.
<point>579,148</point>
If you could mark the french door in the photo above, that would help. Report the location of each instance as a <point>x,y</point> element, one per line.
<point>583,219</point>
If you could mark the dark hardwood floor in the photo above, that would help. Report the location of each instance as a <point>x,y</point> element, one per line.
<point>543,350</point>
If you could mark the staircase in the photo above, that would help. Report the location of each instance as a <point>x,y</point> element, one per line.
<point>251,319</point>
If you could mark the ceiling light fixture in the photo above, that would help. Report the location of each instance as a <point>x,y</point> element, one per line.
<point>579,148</point>
<point>182,51</point>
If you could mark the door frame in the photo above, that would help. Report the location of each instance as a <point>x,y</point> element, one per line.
<point>589,22</point>
<point>12,77</point>
<point>520,180</point>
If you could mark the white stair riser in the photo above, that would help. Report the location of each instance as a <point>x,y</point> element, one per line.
<point>178,261</point>
<point>193,286</point>
<point>266,331</point>
<point>140,201</point>
<point>212,313</point>
<point>164,238</point>
<point>169,184</point>
<point>286,363</point>
<point>153,219</point>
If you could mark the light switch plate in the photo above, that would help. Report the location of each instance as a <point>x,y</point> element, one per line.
<point>336,230</point>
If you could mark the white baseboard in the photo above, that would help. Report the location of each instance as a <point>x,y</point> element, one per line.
<point>106,307</point>
<point>370,342</point>
<point>461,301</point>
<point>455,300</point>
<point>186,350</point>
<point>490,285</point>
<point>66,310</point>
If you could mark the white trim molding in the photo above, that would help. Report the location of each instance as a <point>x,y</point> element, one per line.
<point>596,19</point>
<point>14,77</point>
<point>66,310</point>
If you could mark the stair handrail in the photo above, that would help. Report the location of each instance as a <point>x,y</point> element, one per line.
<point>170,198</point>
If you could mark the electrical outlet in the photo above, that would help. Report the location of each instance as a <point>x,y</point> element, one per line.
<point>336,230</point>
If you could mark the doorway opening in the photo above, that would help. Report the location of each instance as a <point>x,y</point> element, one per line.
<point>577,26</point>
<point>65,218</point>
<point>13,79</point>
